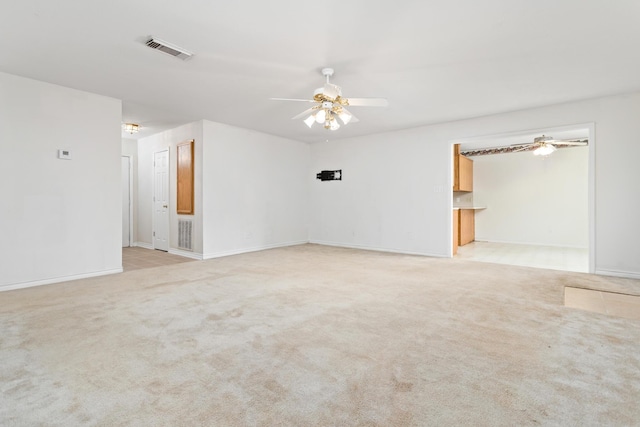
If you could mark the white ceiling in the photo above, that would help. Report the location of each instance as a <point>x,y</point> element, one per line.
<point>435,61</point>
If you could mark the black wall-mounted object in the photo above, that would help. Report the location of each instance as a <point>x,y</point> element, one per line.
<point>330,175</point>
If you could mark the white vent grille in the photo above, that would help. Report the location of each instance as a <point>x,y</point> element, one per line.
<point>168,48</point>
<point>184,234</point>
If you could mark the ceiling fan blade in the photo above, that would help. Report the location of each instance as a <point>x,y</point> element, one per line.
<point>331,91</point>
<point>527,147</point>
<point>367,102</point>
<point>292,99</point>
<point>585,142</point>
<point>304,113</point>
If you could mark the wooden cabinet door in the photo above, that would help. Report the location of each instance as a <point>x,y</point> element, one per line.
<point>467,226</point>
<point>465,170</point>
<point>456,230</point>
<point>462,171</point>
<point>185,172</point>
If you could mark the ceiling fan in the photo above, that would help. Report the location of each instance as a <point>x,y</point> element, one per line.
<point>330,105</point>
<point>541,146</point>
<point>545,145</point>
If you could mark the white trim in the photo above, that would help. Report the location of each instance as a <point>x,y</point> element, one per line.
<point>130,199</point>
<point>543,130</point>
<point>186,254</point>
<point>22,285</point>
<point>143,245</point>
<point>626,274</point>
<point>450,182</point>
<point>530,244</point>
<point>252,249</point>
<point>377,249</point>
<point>591,176</point>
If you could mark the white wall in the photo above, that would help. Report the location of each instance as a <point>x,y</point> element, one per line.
<point>396,189</point>
<point>59,219</point>
<point>130,149</point>
<point>533,199</point>
<point>394,193</point>
<point>146,148</point>
<point>255,190</point>
<point>251,189</point>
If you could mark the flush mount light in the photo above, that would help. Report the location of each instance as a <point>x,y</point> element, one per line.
<point>131,128</point>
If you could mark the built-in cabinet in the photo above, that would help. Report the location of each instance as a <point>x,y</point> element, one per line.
<point>462,171</point>
<point>464,227</point>
<point>456,227</point>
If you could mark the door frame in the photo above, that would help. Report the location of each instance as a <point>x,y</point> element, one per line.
<point>153,213</point>
<point>130,158</point>
<point>591,176</point>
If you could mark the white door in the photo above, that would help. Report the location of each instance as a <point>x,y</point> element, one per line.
<point>161,200</point>
<point>126,201</point>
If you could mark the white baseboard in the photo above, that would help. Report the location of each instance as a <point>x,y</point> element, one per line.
<point>186,254</point>
<point>13,286</point>
<point>251,249</point>
<point>377,249</point>
<point>625,274</point>
<point>484,240</point>
<point>143,245</point>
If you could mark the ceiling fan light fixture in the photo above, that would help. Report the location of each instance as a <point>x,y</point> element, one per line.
<point>321,116</point>
<point>131,127</point>
<point>309,120</point>
<point>544,150</point>
<point>330,105</point>
<point>345,117</point>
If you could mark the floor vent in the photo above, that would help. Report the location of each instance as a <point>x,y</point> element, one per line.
<point>168,48</point>
<point>185,229</point>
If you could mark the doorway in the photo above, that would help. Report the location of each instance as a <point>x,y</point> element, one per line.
<point>161,200</point>
<point>537,211</point>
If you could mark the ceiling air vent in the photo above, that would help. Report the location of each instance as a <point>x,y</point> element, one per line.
<point>169,48</point>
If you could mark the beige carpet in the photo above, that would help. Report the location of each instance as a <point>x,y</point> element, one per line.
<point>312,335</point>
